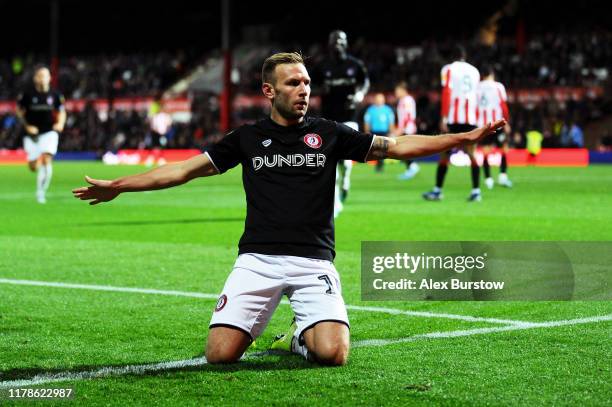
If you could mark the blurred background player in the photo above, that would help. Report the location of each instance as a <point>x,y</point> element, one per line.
<point>43,115</point>
<point>459,102</point>
<point>345,83</point>
<point>492,105</point>
<point>379,119</point>
<point>406,123</point>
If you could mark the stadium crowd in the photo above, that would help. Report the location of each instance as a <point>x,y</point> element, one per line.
<point>99,76</point>
<point>548,60</point>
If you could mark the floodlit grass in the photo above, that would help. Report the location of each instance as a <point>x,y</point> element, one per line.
<point>185,239</point>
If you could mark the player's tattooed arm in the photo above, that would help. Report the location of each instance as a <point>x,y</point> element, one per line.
<point>380,148</point>
<point>408,147</point>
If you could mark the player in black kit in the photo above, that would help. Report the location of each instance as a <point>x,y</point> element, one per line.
<point>344,82</point>
<point>43,115</point>
<point>288,171</point>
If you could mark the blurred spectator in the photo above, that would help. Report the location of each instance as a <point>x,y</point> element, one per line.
<point>380,120</point>
<point>100,76</point>
<point>550,60</point>
<point>572,135</point>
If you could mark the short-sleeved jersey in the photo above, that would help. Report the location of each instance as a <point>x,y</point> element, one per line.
<point>289,176</point>
<point>459,86</point>
<point>406,115</point>
<point>492,102</point>
<point>40,108</point>
<point>340,78</point>
<point>379,118</point>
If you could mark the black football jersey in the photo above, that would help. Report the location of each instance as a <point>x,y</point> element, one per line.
<point>40,108</point>
<point>289,175</point>
<point>339,79</point>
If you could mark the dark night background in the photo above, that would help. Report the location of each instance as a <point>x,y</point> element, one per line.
<point>109,26</point>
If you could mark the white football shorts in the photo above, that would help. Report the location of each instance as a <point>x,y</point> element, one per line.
<point>43,143</point>
<point>257,283</point>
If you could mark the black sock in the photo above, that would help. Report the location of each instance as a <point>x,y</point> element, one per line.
<point>504,164</point>
<point>441,174</point>
<point>475,175</point>
<point>486,167</point>
<point>408,162</point>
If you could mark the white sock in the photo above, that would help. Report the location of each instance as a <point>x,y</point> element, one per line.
<point>41,174</point>
<point>47,180</point>
<point>346,181</point>
<point>475,190</point>
<point>437,189</point>
<point>300,349</point>
<point>337,202</point>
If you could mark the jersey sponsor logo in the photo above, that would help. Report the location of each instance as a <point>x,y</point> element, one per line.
<point>313,140</point>
<point>267,142</point>
<point>221,303</point>
<point>290,160</point>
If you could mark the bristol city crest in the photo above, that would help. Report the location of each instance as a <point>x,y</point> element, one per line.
<point>313,140</point>
<point>221,303</point>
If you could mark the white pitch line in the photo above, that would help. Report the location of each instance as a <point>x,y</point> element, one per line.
<point>110,288</point>
<point>425,314</point>
<point>392,311</point>
<point>44,378</point>
<point>481,331</point>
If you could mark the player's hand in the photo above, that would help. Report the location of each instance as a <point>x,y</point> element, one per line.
<point>33,130</point>
<point>58,128</point>
<point>100,191</point>
<point>478,134</point>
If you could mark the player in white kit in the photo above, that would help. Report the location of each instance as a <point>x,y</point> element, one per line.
<point>406,123</point>
<point>493,105</point>
<point>459,104</point>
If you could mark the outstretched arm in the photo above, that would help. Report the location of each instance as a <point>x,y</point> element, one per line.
<point>408,147</point>
<point>166,176</point>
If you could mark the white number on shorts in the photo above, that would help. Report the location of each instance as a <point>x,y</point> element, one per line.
<point>325,278</point>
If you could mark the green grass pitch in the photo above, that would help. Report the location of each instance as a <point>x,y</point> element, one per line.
<point>185,239</point>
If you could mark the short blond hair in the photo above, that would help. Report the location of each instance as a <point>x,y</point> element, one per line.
<point>269,65</point>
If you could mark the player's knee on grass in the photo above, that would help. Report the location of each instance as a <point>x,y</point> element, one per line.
<point>226,345</point>
<point>328,342</point>
<point>332,353</point>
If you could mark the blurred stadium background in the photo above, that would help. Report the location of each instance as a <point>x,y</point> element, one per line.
<point>121,65</point>
<point>91,292</point>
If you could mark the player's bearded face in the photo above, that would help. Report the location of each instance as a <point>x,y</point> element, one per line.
<point>292,91</point>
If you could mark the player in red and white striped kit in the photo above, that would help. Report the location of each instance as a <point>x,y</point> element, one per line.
<point>492,105</point>
<point>406,123</point>
<point>459,102</point>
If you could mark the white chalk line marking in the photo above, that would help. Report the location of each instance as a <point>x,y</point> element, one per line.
<point>45,378</point>
<point>482,331</point>
<point>392,311</point>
